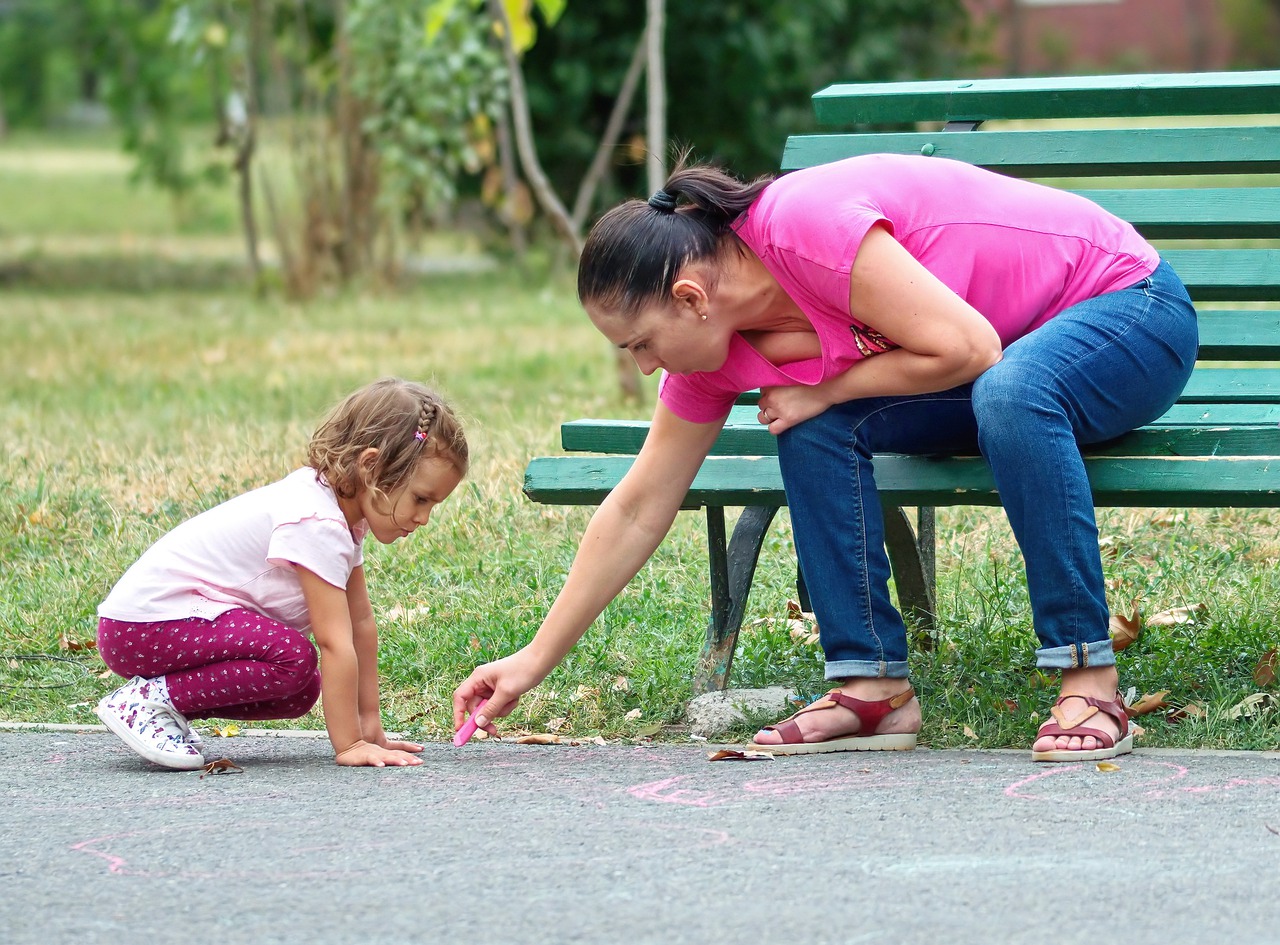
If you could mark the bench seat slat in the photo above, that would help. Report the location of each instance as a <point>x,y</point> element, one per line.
<point>1211,93</point>
<point>1090,153</point>
<point>1246,334</point>
<point>1246,482</point>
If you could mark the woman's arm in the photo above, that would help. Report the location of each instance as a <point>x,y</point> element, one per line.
<point>623,533</point>
<point>334,632</point>
<point>943,341</point>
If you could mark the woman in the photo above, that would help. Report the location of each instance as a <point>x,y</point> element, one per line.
<point>882,304</point>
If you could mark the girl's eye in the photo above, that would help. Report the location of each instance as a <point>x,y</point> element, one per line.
<point>639,347</point>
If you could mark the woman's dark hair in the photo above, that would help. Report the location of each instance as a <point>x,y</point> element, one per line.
<point>635,251</point>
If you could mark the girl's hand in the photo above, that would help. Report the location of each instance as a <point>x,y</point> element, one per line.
<point>502,682</point>
<point>362,754</point>
<point>782,408</point>
<point>374,735</point>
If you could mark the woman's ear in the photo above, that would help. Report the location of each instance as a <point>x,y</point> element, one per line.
<point>690,294</point>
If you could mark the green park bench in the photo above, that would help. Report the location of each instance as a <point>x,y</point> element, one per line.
<point>1197,184</point>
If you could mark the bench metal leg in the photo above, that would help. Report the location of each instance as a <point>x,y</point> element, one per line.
<point>733,567</point>
<point>914,568</point>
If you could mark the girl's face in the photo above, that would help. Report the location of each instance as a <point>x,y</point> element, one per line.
<point>681,336</point>
<point>410,506</point>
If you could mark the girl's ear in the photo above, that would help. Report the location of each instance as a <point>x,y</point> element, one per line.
<point>366,463</point>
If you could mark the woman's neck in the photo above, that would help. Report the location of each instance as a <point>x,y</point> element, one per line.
<point>749,294</point>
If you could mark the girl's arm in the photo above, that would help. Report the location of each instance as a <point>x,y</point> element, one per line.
<point>943,341</point>
<point>340,674</point>
<point>623,533</point>
<point>365,636</point>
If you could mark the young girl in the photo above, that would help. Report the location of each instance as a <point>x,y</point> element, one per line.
<point>212,620</point>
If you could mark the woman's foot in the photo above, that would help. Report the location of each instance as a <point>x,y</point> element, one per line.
<point>1072,711</point>
<point>862,715</point>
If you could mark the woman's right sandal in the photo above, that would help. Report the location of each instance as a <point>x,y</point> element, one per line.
<point>869,714</point>
<point>1074,728</point>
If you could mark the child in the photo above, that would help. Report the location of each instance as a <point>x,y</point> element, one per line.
<point>212,619</point>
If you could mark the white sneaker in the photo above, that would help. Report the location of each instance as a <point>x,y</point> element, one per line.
<point>142,715</point>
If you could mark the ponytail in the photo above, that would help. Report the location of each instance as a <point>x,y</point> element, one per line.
<point>635,251</point>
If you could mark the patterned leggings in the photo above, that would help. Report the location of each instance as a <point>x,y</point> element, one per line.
<point>241,665</point>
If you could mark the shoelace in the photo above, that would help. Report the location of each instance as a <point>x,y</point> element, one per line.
<point>170,723</point>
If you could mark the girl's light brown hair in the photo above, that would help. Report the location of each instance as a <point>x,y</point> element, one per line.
<point>403,420</point>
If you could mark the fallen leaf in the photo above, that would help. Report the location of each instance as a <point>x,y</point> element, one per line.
<point>1150,702</point>
<point>1250,705</point>
<point>222,766</point>
<point>969,733</point>
<point>106,674</point>
<point>74,646</point>
<point>1125,629</point>
<point>633,715</point>
<point>731,754</point>
<point>226,731</point>
<point>1264,674</point>
<point>1010,705</point>
<point>621,684</point>
<point>1189,711</point>
<point>554,725</point>
<point>539,739</point>
<point>648,731</point>
<point>1107,766</point>
<point>1177,615</point>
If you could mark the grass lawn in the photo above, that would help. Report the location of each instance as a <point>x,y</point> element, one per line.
<point>143,383</point>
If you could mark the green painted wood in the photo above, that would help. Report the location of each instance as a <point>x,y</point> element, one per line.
<point>1187,430</point>
<point>1228,275</point>
<point>1195,212</point>
<point>1208,481</point>
<point>1215,93</point>
<point>1244,335</point>
<point>1064,153</point>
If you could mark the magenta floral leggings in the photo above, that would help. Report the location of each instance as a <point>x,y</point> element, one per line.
<point>240,665</point>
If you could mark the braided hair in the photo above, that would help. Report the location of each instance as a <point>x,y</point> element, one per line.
<point>404,421</point>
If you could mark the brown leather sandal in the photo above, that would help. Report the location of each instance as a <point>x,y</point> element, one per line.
<point>1075,728</point>
<point>869,714</point>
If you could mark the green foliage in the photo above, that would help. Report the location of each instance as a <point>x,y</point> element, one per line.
<point>432,85</point>
<point>740,73</point>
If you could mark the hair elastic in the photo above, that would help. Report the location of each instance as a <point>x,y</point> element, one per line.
<point>419,435</point>
<point>663,201</point>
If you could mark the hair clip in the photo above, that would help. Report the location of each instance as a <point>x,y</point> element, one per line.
<point>419,435</point>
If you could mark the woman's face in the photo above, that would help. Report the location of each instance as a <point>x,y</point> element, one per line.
<point>680,336</point>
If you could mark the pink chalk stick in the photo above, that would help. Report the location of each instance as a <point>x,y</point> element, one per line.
<point>468,727</point>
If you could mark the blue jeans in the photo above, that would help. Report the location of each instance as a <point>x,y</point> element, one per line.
<point>1097,370</point>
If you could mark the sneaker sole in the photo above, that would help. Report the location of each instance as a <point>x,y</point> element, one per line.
<point>164,759</point>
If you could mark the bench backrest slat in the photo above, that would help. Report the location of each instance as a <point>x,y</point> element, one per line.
<point>1212,93</point>
<point>1068,153</point>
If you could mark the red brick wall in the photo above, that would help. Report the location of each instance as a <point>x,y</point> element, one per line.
<point>1057,37</point>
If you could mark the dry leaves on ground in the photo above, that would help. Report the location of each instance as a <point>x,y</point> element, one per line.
<point>1264,674</point>
<point>1150,702</point>
<point>1125,629</point>
<point>732,754</point>
<point>222,766</point>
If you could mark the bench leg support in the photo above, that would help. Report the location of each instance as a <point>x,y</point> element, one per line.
<point>911,555</point>
<point>733,567</point>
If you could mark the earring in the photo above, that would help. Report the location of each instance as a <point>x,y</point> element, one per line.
<point>704,318</point>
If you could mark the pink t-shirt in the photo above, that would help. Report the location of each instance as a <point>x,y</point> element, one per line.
<point>241,554</point>
<point>1018,252</point>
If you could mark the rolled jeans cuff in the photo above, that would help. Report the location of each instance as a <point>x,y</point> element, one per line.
<point>1076,656</point>
<point>866,669</point>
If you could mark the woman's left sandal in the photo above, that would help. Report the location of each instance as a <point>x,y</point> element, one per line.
<point>1074,728</point>
<point>869,715</point>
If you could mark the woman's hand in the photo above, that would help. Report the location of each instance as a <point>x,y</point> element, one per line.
<point>362,754</point>
<point>782,408</point>
<point>502,682</point>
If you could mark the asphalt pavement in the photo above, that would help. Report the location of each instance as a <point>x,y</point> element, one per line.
<point>500,843</point>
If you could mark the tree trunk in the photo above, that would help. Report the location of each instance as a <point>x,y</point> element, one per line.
<point>510,184</point>
<point>523,126</point>
<point>656,164</point>
<point>612,132</point>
